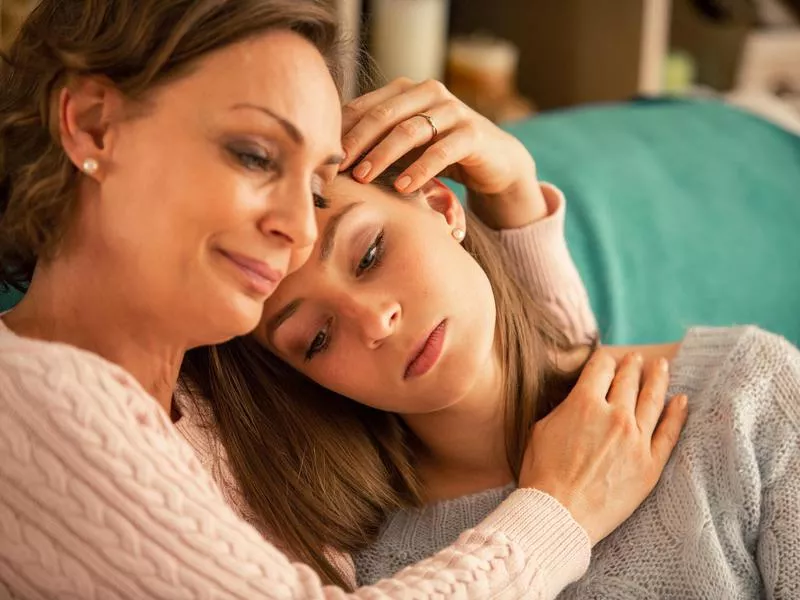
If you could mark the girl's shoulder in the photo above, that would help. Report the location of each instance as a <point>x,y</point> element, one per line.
<point>742,374</point>
<point>706,352</point>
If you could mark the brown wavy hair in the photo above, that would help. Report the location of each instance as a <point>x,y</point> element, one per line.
<point>137,45</point>
<point>319,471</point>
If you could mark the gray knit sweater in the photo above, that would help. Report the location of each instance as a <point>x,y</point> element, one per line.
<point>723,521</point>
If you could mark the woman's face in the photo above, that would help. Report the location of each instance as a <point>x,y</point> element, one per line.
<point>206,201</point>
<point>389,310</point>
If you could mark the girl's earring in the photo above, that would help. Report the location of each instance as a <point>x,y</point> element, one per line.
<point>459,234</point>
<point>90,166</point>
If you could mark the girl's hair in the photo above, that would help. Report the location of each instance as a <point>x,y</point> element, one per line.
<point>320,471</point>
<point>137,45</point>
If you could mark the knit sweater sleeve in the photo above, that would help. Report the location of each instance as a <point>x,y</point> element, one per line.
<point>778,441</point>
<point>540,261</point>
<point>100,497</point>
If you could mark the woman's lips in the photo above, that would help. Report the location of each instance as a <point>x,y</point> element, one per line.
<point>427,353</point>
<point>259,276</point>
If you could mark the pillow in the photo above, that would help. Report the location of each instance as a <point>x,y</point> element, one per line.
<point>678,213</point>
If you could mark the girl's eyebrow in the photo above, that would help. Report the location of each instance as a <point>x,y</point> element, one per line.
<point>329,235</point>
<point>280,318</point>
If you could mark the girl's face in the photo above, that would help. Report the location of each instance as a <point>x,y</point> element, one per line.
<point>206,199</point>
<point>389,310</point>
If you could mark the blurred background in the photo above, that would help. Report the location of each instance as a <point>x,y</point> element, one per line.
<point>511,58</point>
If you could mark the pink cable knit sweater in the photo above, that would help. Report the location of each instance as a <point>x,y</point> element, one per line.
<point>102,497</point>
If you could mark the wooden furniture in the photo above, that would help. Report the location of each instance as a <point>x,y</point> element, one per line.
<point>576,51</point>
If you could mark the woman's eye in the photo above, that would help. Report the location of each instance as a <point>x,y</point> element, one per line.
<point>318,344</point>
<point>320,202</point>
<point>372,257</point>
<point>253,161</point>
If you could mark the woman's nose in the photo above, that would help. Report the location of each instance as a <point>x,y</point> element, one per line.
<point>289,216</point>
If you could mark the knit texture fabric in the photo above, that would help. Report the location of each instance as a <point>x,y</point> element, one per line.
<point>723,521</point>
<point>101,497</point>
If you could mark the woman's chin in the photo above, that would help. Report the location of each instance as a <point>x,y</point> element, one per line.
<point>235,315</point>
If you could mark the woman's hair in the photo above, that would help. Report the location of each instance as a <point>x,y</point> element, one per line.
<point>320,471</point>
<point>137,45</point>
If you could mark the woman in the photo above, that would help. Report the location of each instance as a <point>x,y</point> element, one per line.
<point>159,166</point>
<point>379,314</point>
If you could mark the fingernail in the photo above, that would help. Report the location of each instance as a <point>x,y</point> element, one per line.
<point>362,170</point>
<point>663,364</point>
<point>402,182</point>
<point>683,401</point>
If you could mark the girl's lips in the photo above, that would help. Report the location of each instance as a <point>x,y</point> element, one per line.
<point>427,352</point>
<point>260,277</point>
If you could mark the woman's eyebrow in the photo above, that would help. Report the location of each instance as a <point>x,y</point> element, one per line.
<point>287,125</point>
<point>333,159</point>
<point>290,128</point>
<point>329,235</point>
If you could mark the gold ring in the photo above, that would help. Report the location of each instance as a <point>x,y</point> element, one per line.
<point>429,119</point>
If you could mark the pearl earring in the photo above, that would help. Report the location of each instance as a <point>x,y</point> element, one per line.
<point>459,234</point>
<point>90,166</point>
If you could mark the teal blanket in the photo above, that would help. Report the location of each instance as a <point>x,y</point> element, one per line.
<point>679,213</point>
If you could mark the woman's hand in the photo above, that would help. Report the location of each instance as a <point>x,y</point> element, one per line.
<point>601,452</point>
<point>459,143</point>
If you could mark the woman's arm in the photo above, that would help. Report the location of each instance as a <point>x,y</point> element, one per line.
<point>102,497</point>
<point>530,224</point>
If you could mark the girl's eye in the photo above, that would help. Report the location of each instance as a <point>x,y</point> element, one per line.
<point>372,257</point>
<point>318,344</point>
<point>320,202</point>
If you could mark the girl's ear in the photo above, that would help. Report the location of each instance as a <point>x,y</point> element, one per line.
<point>444,201</point>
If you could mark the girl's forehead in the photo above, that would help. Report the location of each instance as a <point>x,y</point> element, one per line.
<point>343,186</point>
<point>344,190</point>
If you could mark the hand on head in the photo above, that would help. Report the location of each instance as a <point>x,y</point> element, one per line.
<point>459,143</point>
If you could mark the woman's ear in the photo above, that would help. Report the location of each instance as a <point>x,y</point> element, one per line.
<point>87,108</point>
<point>444,201</point>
